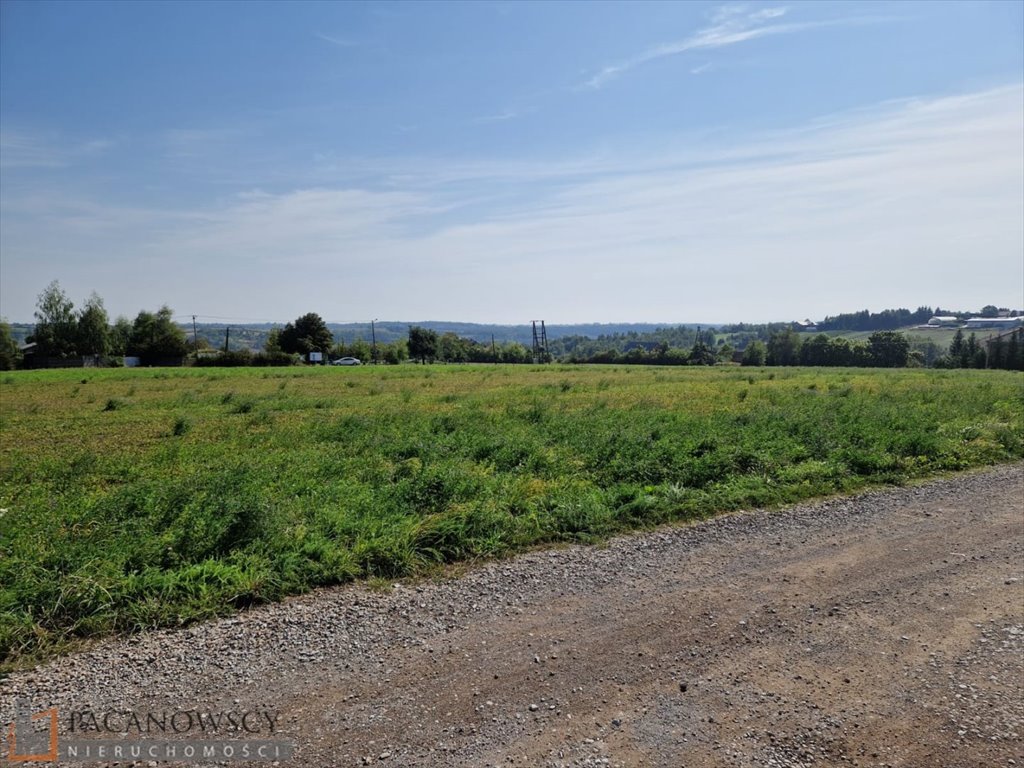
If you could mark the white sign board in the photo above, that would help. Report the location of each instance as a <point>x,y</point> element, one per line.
<point>316,357</point>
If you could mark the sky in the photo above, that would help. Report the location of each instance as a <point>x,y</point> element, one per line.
<point>512,161</point>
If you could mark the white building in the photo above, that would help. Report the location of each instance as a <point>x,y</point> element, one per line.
<point>999,323</point>
<point>944,321</point>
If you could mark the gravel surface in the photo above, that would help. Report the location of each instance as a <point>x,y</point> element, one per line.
<point>885,629</point>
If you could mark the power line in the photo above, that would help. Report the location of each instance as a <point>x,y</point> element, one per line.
<point>240,319</point>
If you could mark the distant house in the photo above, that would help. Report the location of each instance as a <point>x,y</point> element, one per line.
<point>805,326</point>
<point>944,321</point>
<point>998,323</point>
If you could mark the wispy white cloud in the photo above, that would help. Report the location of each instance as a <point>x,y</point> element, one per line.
<point>768,13</point>
<point>912,201</point>
<point>341,42</point>
<point>19,149</point>
<point>730,25</point>
<point>498,117</point>
<point>705,67</point>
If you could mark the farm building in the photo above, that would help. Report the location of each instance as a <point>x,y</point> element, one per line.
<point>998,323</point>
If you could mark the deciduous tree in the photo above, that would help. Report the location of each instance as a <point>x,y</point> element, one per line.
<point>308,333</point>
<point>9,355</point>
<point>784,348</point>
<point>423,344</point>
<point>120,336</point>
<point>93,327</point>
<point>888,349</point>
<point>754,354</point>
<point>156,336</point>
<point>56,328</point>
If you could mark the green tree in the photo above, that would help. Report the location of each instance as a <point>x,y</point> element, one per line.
<point>702,353</point>
<point>360,349</point>
<point>308,333</point>
<point>93,327</point>
<point>996,353</point>
<point>514,352</point>
<point>980,357</point>
<point>120,336</point>
<point>273,342</point>
<point>929,350</point>
<point>56,328</point>
<point>157,336</point>
<point>1015,351</point>
<point>888,349</point>
<point>784,348</point>
<point>972,354</point>
<point>957,349</point>
<point>816,350</point>
<point>454,349</point>
<point>755,354</point>
<point>9,354</point>
<point>395,352</point>
<point>842,352</point>
<point>423,344</point>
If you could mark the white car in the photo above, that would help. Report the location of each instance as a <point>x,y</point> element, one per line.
<point>347,361</point>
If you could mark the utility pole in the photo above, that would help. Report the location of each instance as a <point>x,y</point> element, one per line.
<point>195,335</point>
<point>494,351</point>
<point>227,337</point>
<point>373,333</point>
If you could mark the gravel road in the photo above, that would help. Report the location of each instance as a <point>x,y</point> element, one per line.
<point>885,629</point>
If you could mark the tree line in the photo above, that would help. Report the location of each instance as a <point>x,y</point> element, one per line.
<point>61,331</point>
<point>885,349</point>
<point>1005,351</point>
<point>891,319</point>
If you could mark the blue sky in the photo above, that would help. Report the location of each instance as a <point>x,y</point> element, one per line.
<point>509,161</point>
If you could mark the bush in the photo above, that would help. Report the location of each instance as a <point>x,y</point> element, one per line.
<point>233,359</point>
<point>244,358</point>
<point>275,359</point>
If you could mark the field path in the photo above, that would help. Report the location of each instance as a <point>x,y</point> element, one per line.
<point>885,629</point>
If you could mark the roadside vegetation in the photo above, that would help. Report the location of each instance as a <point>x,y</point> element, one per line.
<point>148,498</point>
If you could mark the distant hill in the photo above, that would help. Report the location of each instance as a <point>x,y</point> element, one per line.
<point>255,335</point>
<point>586,338</point>
<point>390,331</point>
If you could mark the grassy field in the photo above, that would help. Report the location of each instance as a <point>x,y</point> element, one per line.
<point>143,498</point>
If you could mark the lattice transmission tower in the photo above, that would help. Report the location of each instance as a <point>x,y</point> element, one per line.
<point>540,343</point>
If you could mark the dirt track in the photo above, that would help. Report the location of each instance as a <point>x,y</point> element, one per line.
<point>882,630</point>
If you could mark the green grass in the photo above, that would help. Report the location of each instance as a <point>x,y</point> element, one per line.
<point>136,499</point>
